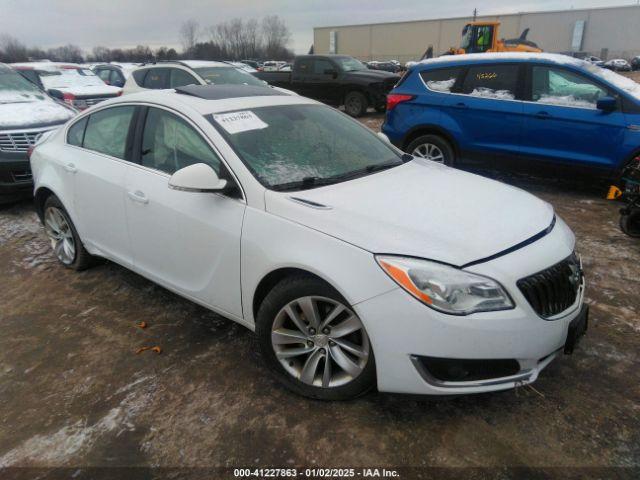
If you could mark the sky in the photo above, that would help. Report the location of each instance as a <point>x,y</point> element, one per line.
<point>126,23</point>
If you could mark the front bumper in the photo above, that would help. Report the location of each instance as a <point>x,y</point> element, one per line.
<point>404,332</point>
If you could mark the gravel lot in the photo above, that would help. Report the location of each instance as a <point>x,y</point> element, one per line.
<point>73,392</point>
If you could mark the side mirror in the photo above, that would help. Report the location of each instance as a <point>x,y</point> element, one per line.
<point>331,71</point>
<point>198,177</point>
<point>607,104</point>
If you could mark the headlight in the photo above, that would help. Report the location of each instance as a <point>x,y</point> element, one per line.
<point>447,289</point>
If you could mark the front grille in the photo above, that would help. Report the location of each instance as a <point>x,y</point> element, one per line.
<point>18,141</point>
<point>555,289</point>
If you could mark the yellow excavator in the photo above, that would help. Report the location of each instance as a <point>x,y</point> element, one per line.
<point>480,37</point>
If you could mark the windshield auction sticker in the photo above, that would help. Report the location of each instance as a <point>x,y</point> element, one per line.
<point>237,122</point>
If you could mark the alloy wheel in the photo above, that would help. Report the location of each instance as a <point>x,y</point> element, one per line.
<point>320,341</point>
<point>429,151</point>
<point>60,234</point>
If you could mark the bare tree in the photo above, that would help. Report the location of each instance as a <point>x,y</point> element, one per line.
<point>189,33</point>
<point>100,54</point>
<point>67,53</point>
<point>276,37</point>
<point>12,50</point>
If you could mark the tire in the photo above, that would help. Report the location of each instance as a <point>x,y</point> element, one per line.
<point>355,104</point>
<point>630,223</point>
<point>278,336</point>
<point>433,147</point>
<point>62,233</point>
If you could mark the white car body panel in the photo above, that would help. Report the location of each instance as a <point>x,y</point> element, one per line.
<point>216,250</point>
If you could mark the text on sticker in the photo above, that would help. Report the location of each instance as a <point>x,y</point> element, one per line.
<point>237,122</point>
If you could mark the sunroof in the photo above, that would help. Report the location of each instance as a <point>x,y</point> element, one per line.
<point>220,92</point>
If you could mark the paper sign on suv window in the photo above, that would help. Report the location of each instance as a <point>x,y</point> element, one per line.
<point>237,122</point>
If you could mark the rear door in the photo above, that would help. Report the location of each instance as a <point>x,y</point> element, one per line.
<point>100,176</point>
<point>189,242</point>
<point>321,81</point>
<point>562,123</point>
<point>487,111</point>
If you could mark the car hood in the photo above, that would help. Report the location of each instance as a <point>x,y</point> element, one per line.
<point>380,75</point>
<point>18,111</point>
<point>419,209</point>
<point>88,90</point>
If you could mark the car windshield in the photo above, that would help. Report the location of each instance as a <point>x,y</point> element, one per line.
<point>227,75</point>
<point>15,88</point>
<point>295,147</point>
<point>350,64</point>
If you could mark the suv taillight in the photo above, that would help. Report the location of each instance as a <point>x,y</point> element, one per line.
<point>393,99</point>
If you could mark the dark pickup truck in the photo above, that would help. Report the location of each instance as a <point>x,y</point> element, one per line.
<point>336,80</point>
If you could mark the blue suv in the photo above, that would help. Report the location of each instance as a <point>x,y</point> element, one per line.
<point>516,108</point>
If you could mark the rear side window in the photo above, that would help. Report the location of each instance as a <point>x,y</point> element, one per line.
<point>492,81</point>
<point>138,76</point>
<point>441,80</point>
<point>107,131</point>
<point>321,66</point>
<point>75,134</point>
<point>156,78</point>
<point>169,144</point>
<point>180,78</point>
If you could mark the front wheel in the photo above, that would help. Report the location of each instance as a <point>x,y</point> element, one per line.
<point>313,341</point>
<point>434,148</point>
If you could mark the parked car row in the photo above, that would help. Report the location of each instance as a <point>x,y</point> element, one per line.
<point>515,109</point>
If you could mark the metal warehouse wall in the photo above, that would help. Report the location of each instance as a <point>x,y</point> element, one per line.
<point>614,28</point>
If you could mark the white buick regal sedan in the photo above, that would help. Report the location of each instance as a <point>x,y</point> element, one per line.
<point>356,265</point>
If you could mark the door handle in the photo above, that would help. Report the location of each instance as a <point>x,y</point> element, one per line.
<point>138,196</point>
<point>543,115</point>
<point>460,105</point>
<point>71,168</point>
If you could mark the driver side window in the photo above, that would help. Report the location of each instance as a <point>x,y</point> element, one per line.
<point>169,144</point>
<point>556,86</point>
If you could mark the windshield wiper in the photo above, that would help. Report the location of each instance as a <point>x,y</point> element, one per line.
<point>306,182</point>
<point>310,182</point>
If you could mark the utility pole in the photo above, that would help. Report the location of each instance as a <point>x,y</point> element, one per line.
<point>475,13</point>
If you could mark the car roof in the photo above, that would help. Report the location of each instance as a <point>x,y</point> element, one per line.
<point>188,63</point>
<point>499,57</point>
<point>223,103</point>
<point>221,92</point>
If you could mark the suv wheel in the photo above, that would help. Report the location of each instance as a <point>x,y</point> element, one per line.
<point>434,148</point>
<point>314,342</point>
<point>64,238</point>
<point>355,104</point>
